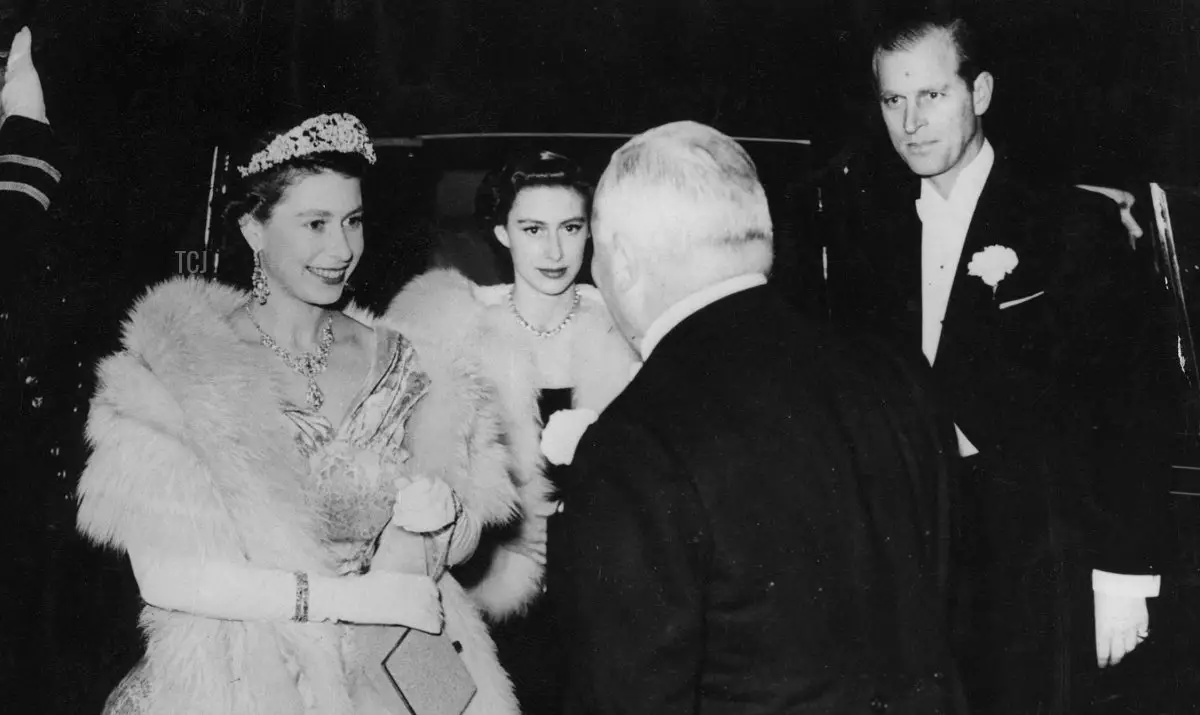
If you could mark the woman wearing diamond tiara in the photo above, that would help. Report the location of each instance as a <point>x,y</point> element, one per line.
<point>290,485</point>
<point>567,352</point>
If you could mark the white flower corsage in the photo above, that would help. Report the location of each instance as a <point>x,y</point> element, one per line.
<point>992,264</point>
<point>562,434</point>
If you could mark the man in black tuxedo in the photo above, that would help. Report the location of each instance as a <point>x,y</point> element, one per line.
<point>756,524</point>
<point>1039,333</point>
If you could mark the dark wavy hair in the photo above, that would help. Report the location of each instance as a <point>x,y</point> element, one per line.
<point>498,191</point>
<point>258,194</point>
<point>905,30</point>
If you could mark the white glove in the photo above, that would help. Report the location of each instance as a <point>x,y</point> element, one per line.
<point>22,92</point>
<point>378,598</point>
<point>241,592</point>
<point>1122,623</point>
<point>424,505</point>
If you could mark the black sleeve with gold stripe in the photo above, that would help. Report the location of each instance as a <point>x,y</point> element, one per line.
<point>29,177</point>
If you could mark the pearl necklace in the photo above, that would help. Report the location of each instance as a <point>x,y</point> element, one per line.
<point>309,364</point>
<point>552,331</point>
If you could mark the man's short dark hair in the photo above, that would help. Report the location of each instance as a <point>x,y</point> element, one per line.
<point>904,34</point>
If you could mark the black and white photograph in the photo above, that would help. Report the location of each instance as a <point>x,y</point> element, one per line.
<point>659,357</point>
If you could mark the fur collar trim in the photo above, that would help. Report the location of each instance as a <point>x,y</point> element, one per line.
<point>196,411</point>
<point>443,317</point>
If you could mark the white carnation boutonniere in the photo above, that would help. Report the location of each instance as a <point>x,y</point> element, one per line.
<point>992,264</point>
<point>562,433</point>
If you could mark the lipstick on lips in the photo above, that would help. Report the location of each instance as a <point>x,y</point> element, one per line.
<point>553,273</point>
<point>329,276</point>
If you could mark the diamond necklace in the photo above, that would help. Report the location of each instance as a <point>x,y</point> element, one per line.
<point>309,364</point>
<point>552,331</point>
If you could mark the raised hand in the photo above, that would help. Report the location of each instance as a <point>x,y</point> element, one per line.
<point>22,92</point>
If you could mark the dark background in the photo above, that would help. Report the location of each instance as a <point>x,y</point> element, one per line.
<point>140,91</point>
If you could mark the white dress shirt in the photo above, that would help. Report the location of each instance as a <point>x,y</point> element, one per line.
<point>944,226</point>
<point>680,311</point>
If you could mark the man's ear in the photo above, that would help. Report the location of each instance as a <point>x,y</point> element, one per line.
<point>252,231</point>
<point>502,236</point>
<point>625,269</point>
<point>981,93</point>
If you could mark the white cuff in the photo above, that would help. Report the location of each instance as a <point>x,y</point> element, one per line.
<point>1116,584</point>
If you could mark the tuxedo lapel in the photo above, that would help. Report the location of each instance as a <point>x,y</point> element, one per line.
<point>902,272</point>
<point>908,272</point>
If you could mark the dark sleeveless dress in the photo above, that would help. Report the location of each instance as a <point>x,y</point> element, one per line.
<point>528,645</point>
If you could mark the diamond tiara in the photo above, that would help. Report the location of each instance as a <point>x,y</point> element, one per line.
<point>342,133</point>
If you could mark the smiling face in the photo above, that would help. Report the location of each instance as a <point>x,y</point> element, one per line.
<point>932,115</point>
<point>313,238</point>
<point>546,233</point>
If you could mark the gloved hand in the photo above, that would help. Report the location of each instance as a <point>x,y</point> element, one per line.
<point>1122,623</point>
<point>22,92</point>
<point>424,505</point>
<point>378,598</point>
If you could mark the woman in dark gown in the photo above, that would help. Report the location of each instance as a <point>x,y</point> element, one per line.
<point>528,644</point>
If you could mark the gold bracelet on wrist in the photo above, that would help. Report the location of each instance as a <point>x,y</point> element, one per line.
<point>301,614</point>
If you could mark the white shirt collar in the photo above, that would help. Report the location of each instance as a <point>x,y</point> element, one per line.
<point>680,311</point>
<point>967,188</point>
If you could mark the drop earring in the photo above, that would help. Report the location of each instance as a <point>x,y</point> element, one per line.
<point>258,280</point>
